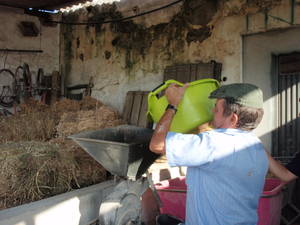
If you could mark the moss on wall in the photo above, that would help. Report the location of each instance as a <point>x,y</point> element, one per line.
<point>199,12</point>
<point>263,5</point>
<point>136,40</point>
<point>133,42</point>
<point>70,17</point>
<point>101,14</point>
<point>133,39</point>
<point>68,54</point>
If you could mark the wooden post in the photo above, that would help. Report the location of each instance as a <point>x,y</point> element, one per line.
<point>56,87</point>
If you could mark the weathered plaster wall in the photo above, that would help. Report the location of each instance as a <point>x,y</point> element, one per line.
<point>257,69</point>
<point>132,55</point>
<point>129,55</point>
<point>11,38</point>
<point>270,35</point>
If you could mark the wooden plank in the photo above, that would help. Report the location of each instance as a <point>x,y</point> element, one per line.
<point>187,77</point>
<point>143,120</point>
<point>169,73</point>
<point>135,109</point>
<point>193,71</point>
<point>205,70</point>
<point>217,71</point>
<point>183,73</point>
<point>177,73</point>
<point>135,113</point>
<point>128,106</point>
<point>55,85</point>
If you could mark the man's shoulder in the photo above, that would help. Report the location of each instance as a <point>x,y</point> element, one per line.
<point>229,131</point>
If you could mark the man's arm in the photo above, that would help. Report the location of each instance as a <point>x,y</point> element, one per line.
<point>158,140</point>
<point>280,171</point>
<point>174,95</point>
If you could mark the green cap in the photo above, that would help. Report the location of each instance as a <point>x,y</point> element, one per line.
<point>244,94</point>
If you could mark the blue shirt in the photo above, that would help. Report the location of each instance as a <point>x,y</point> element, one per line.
<point>225,175</point>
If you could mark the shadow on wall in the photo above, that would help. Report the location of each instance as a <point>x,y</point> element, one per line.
<point>285,140</point>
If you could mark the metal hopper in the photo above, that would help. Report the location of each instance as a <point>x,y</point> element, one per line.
<point>122,150</point>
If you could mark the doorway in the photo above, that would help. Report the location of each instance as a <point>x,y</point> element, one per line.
<point>286,138</point>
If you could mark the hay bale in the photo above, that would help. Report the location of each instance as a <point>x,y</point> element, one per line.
<point>68,105</point>
<point>32,171</point>
<point>39,122</point>
<point>31,105</point>
<point>75,122</point>
<point>65,105</point>
<point>89,103</point>
<point>33,126</point>
<point>34,164</point>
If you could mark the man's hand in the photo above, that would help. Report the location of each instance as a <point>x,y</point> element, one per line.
<point>174,93</point>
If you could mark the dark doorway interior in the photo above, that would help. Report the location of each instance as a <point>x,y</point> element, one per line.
<point>286,139</point>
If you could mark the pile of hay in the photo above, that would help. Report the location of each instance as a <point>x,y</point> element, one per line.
<point>74,122</point>
<point>35,121</point>
<point>38,161</point>
<point>40,122</point>
<point>32,171</point>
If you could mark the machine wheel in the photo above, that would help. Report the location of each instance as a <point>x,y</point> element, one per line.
<point>123,205</point>
<point>27,75</point>
<point>7,88</point>
<point>129,211</point>
<point>39,81</point>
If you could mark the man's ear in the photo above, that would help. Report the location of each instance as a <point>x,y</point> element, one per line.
<point>234,120</point>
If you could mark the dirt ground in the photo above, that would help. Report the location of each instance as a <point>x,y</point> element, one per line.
<point>37,160</point>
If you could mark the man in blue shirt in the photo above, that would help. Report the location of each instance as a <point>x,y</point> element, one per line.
<point>226,165</point>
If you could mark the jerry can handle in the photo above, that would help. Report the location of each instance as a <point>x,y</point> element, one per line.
<point>164,85</point>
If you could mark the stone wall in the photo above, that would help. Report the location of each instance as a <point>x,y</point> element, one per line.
<point>132,54</point>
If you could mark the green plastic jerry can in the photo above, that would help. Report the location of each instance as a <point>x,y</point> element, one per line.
<point>194,109</point>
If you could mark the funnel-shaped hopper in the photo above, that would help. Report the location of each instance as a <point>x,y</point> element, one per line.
<point>122,150</point>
